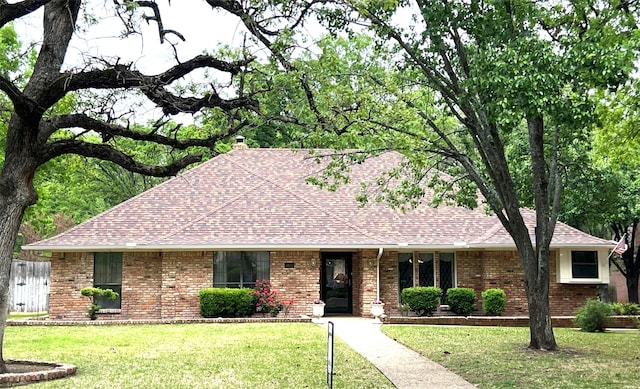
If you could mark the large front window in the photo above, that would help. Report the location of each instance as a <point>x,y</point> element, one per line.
<point>107,274</point>
<point>239,269</point>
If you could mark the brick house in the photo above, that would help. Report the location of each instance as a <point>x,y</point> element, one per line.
<point>250,214</point>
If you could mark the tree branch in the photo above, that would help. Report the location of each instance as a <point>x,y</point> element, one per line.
<point>110,130</point>
<point>9,12</point>
<point>108,153</point>
<point>22,104</point>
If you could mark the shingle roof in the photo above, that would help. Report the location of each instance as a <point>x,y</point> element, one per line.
<point>260,198</point>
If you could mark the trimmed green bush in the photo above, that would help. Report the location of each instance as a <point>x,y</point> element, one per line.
<point>226,302</point>
<point>592,316</point>
<point>92,293</point>
<point>627,309</point>
<point>461,300</point>
<point>423,300</point>
<point>494,301</point>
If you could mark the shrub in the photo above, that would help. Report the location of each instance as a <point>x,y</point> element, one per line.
<point>266,299</point>
<point>461,300</point>
<point>592,316</point>
<point>226,302</point>
<point>629,309</point>
<point>422,300</point>
<point>494,301</point>
<point>92,293</point>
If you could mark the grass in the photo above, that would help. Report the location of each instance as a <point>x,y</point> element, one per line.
<point>497,357</point>
<point>193,356</point>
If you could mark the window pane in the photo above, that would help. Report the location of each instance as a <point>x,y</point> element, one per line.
<point>405,271</point>
<point>233,269</point>
<point>107,268</point>
<point>447,273</point>
<point>584,264</point>
<point>263,265</point>
<point>239,269</point>
<point>249,269</point>
<point>104,302</point>
<point>107,274</point>
<point>425,269</point>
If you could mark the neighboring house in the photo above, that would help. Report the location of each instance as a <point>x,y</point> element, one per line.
<point>618,284</point>
<point>250,214</point>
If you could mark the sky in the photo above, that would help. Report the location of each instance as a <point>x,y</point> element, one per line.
<point>203,28</point>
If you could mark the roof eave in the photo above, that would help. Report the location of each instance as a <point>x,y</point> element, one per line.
<point>131,247</point>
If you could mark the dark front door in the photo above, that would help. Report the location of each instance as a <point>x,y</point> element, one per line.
<point>336,282</point>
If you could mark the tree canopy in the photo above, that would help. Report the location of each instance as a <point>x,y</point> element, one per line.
<point>512,79</point>
<point>61,105</point>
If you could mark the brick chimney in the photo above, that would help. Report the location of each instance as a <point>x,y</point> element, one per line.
<point>240,145</point>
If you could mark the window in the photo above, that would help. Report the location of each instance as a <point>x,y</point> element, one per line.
<point>584,264</point>
<point>239,269</point>
<point>405,271</point>
<point>107,274</point>
<point>446,264</point>
<point>425,269</point>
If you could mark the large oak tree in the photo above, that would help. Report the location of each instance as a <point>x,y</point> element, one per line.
<point>42,127</point>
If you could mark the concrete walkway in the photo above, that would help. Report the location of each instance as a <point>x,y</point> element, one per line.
<point>405,368</point>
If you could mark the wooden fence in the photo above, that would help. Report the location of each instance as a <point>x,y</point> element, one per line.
<point>29,286</point>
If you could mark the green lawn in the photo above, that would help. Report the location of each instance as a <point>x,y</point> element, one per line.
<point>497,357</point>
<point>193,356</point>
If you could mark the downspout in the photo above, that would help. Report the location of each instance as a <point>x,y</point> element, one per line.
<point>380,250</point>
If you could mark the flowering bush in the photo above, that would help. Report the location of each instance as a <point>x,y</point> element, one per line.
<point>266,298</point>
<point>377,302</point>
<point>318,301</point>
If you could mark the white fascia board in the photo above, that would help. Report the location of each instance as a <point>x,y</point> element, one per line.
<point>129,247</point>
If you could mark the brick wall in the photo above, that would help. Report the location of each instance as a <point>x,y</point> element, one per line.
<point>502,269</point>
<point>154,285</point>
<point>166,285</point>
<point>389,280</point>
<point>300,282</point>
<point>70,272</point>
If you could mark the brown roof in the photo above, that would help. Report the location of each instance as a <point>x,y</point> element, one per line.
<point>260,199</point>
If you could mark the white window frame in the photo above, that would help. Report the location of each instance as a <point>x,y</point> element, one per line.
<point>564,268</point>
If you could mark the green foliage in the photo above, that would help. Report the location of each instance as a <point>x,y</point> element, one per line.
<point>226,302</point>
<point>423,300</point>
<point>494,301</point>
<point>91,293</point>
<point>592,316</point>
<point>461,300</point>
<point>266,298</point>
<point>627,309</point>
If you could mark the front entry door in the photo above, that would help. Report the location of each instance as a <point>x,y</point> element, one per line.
<point>336,282</point>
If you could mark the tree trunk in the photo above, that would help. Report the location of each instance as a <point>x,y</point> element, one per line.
<point>535,266</point>
<point>541,331</point>
<point>11,212</point>
<point>16,194</point>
